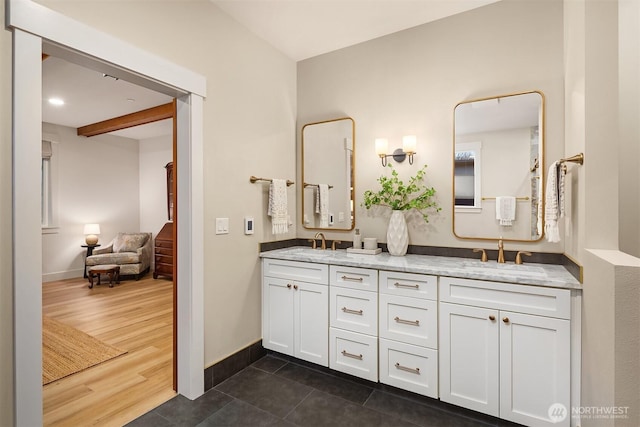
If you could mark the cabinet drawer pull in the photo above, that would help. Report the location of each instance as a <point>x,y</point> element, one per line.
<point>404,368</point>
<point>353,356</point>
<point>407,322</point>
<point>402,285</point>
<point>505,319</point>
<point>353,279</point>
<point>348,310</point>
<point>288,285</point>
<point>295,287</point>
<point>492,317</point>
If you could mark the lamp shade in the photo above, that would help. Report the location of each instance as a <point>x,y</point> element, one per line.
<point>382,145</point>
<point>409,143</point>
<point>91,229</point>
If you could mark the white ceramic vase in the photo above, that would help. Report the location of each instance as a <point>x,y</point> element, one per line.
<point>397,234</point>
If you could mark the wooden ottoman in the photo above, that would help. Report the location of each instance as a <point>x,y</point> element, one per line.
<point>110,269</point>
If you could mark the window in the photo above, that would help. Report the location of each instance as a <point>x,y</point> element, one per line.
<point>47,214</point>
<point>467,182</point>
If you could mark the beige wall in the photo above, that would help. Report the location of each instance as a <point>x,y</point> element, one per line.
<point>6,294</point>
<point>81,167</point>
<point>249,129</point>
<point>629,64</point>
<point>410,82</point>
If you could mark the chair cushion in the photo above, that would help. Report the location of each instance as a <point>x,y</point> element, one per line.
<point>114,258</point>
<point>129,242</point>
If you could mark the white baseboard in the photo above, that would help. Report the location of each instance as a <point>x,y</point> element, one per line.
<point>62,275</point>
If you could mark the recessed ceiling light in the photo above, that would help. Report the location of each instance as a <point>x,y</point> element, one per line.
<point>56,101</point>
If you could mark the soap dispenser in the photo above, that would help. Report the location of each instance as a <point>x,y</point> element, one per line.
<point>357,239</point>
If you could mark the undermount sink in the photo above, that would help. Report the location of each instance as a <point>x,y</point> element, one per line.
<point>520,270</point>
<point>310,252</point>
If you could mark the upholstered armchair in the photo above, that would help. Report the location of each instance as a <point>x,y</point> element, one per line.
<point>131,251</point>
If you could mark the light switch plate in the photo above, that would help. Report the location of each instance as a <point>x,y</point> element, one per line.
<point>222,225</point>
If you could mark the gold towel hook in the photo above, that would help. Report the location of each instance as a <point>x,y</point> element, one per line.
<point>578,158</point>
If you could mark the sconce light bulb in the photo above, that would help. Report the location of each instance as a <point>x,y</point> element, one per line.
<point>409,143</point>
<point>382,145</point>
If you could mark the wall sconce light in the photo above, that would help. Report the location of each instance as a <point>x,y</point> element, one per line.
<point>399,154</point>
<point>91,231</point>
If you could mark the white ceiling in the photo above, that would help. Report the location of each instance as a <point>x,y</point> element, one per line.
<point>89,98</point>
<point>299,28</point>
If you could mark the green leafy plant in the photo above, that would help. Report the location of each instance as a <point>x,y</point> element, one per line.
<point>397,195</point>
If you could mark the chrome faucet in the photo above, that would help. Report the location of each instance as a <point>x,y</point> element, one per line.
<point>321,236</point>
<point>500,251</point>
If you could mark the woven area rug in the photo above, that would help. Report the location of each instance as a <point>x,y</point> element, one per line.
<point>66,350</point>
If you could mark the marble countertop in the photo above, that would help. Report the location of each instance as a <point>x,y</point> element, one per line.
<point>549,275</point>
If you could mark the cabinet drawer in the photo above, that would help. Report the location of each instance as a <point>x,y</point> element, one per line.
<point>295,270</point>
<point>409,367</point>
<point>164,259</point>
<point>409,320</point>
<point>163,268</point>
<point>353,353</point>
<point>354,278</point>
<point>354,310</point>
<point>409,284</point>
<point>552,302</point>
<point>164,243</point>
<point>164,251</point>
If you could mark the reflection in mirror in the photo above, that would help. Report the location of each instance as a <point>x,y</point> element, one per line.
<point>498,164</point>
<point>328,175</point>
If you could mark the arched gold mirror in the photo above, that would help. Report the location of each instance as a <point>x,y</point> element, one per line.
<point>328,175</point>
<point>498,164</point>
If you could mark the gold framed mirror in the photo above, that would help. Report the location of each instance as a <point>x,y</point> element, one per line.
<point>328,175</point>
<point>498,164</point>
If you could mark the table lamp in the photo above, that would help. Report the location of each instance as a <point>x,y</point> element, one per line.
<point>91,231</point>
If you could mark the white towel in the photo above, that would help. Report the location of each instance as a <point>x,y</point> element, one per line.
<point>278,206</point>
<point>506,210</point>
<point>554,202</point>
<point>322,204</point>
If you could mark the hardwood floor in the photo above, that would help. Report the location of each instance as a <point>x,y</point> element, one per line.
<point>136,316</point>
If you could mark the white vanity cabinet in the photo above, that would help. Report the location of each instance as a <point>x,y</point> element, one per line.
<point>506,349</point>
<point>408,330</point>
<point>353,316</point>
<point>295,307</point>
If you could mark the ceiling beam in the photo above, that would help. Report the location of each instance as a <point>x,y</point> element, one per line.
<point>143,117</point>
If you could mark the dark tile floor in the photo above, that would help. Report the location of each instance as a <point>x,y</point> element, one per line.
<point>276,391</point>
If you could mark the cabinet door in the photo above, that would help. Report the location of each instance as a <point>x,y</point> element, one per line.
<point>311,323</point>
<point>535,369</point>
<point>277,315</point>
<point>469,357</point>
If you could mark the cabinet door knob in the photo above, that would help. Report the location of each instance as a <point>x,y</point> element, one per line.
<point>492,317</point>
<point>288,285</point>
<point>295,287</point>
<point>505,319</point>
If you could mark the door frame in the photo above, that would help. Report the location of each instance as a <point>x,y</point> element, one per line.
<point>31,24</point>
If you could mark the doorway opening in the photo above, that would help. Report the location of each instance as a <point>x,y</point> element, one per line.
<point>107,132</point>
<point>31,23</point>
